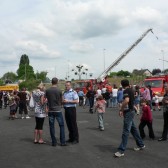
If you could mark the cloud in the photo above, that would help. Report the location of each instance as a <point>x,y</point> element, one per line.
<point>78,30</point>
<point>81,47</point>
<point>37,50</point>
<point>37,29</point>
<point>147,16</point>
<point>98,22</point>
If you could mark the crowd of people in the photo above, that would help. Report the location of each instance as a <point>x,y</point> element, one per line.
<point>16,100</point>
<point>127,99</point>
<point>130,100</point>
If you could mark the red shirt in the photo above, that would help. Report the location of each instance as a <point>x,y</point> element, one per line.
<point>146,114</point>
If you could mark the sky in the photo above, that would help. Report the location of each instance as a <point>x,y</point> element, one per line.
<point>58,35</point>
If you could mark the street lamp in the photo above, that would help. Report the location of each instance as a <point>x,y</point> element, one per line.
<point>104,59</point>
<point>25,72</point>
<point>80,71</point>
<point>163,59</point>
<point>90,74</point>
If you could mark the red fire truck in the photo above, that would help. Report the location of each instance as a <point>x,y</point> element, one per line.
<point>158,84</point>
<point>90,83</point>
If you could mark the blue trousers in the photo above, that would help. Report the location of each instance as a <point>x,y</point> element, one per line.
<point>58,116</point>
<point>128,127</point>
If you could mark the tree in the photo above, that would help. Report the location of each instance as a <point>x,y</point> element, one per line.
<point>41,75</point>
<point>123,73</point>
<point>156,71</point>
<point>9,76</point>
<point>113,74</point>
<point>1,82</point>
<point>24,59</point>
<point>29,84</point>
<point>25,70</point>
<point>135,72</point>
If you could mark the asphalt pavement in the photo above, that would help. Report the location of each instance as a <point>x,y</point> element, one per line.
<point>95,149</point>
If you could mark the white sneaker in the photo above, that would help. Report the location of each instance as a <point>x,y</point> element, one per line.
<point>27,117</point>
<point>118,154</point>
<point>101,129</point>
<point>21,117</point>
<point>139,148</point>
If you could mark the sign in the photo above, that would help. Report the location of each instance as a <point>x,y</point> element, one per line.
<point>9,87</point>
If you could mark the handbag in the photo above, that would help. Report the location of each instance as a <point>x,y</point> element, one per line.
<point>31,102</point>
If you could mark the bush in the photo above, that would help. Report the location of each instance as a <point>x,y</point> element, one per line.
<point>29,84</point>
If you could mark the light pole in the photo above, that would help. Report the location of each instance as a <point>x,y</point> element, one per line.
<point>80,71</point>
<point>25,72</point>
<point>55,71</point>
<point>90,74</point>
<point>163,59</point>
<point>68,69</point>
<point>36,74</point>
<point>104,58</point>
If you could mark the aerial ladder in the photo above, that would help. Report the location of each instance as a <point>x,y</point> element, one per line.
<point>103,76</point>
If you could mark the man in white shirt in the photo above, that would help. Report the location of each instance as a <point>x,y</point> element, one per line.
<point>99,92</point>
<point>114,96</point>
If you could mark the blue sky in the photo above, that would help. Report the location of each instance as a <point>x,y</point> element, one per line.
<point>57,35</point>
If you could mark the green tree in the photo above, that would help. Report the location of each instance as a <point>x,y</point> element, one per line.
<point>24,59</point>
<point>29,84</point>
<point>41,75</point>
<point>1,82</point>
<point>123,73</point>
<point>25,70</point>
<point>113,74</point>
<point>9,76</point>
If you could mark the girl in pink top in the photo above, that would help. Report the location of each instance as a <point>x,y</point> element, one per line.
<point>146,119</point>
<point>100,106</point>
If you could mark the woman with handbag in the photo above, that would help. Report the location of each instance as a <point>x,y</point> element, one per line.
<point>40,113</point>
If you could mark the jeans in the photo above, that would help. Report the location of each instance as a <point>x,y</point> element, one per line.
<point>91,102</point>
<point>150,104</point>
<point>114,101</point>
<point>108,102</point>
<point>100,120</point>
<point>80,100</point>
<point>128,127</point>
<point>59,117</point>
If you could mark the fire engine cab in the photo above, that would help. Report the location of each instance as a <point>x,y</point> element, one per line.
<point>158,84</point>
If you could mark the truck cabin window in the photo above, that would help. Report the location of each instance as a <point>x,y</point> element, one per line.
<point>154,83</point>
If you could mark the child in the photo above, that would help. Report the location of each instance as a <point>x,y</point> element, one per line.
<point>13,106</point>
<point>146,119</point>
<point>156,99</point>
<point>100,106</point>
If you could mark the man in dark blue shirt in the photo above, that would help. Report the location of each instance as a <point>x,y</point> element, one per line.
<point>127,111</point>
